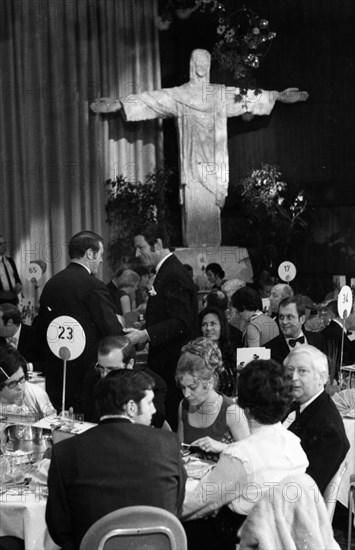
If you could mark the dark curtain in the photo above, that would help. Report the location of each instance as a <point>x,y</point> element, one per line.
<point>56,57</point>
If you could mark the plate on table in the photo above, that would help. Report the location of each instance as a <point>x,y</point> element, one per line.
<point>197,469</point>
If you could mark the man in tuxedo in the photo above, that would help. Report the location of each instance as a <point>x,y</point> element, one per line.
<point>171,314</point>
<point>76,292</point>
<point>292,315</point>
<point>317,422</point>
<point>23,337</point>
<point>121,462</point>
<point>334,333</point>
<point>9,277</point>
<point>117,352</point>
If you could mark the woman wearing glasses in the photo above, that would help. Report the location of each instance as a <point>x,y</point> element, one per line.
<point>20,400</point>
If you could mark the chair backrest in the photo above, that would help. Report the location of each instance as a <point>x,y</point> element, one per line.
<point>136,528</point>
<point>331,492</point>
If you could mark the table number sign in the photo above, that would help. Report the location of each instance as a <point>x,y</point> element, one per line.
<point>345,304</point>
<point>287,271</point>
<point>66,339</point>
<point>33,272</point>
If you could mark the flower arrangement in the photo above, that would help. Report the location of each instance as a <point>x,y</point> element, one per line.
<point>263,188</point>
<point>242,37</point>
<point>268,216</point>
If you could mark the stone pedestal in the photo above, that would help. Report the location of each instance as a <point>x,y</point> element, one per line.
<point>234,261</point>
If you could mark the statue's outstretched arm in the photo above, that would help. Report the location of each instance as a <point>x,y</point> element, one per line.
<point>106,105</point>
<point>292,95</point>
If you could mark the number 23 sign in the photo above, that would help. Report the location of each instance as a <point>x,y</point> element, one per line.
<point>66,337</point>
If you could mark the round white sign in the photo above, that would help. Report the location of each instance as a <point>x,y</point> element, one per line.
<point>287,271</point>
<point>33,272</point>
<point>345,302</point>
<point>66,338</point>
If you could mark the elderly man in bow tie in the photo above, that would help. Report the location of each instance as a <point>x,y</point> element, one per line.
<point>292,315</point>
<point>317,422</point>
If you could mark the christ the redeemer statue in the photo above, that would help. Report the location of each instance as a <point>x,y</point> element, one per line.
<point>200,110</point>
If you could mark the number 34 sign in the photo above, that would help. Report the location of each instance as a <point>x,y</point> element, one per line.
<point>66,338</point>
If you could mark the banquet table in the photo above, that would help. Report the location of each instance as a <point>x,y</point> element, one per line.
<point>22,512</point>
<point>349,424</point>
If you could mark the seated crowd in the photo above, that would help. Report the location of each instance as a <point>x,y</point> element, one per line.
<point>275,420</point>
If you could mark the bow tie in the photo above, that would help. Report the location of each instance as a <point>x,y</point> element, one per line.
<point>293,341</point>
<point>296,407</point>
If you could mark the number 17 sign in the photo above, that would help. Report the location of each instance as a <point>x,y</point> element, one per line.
<point>287,271</point>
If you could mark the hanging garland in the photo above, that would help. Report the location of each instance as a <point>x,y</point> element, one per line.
<point>243,38</point>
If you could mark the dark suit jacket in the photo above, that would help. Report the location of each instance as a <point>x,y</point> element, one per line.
<point>14,272</point>
<point>113,465</point>
<point>171,317</point>
<point>30,349</point>
<point>333,336</point>
<point>279,348</point>
<point>323,439</point>
<point>74,292</point>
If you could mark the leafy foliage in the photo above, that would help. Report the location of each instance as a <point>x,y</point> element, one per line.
<point>131,205</point>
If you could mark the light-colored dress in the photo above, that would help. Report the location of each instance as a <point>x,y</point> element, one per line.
<point>265,329</point>
<point>246,470</point>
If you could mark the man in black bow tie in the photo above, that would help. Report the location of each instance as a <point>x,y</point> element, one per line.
<point>318,424</point>
<point>292,315</point>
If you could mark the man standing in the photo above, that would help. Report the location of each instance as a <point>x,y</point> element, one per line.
<point>318,423</point>
<point>76,292</point>
<point>9,277</point>
<point>171,314</point>
<point>121,462</point>
<point>117,352</point>
<point>292,315</point>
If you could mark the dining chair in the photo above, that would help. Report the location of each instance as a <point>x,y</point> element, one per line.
<point>136,528</point>
<point>331,492</point>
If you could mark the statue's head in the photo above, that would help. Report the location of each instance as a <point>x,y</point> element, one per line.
<point>200,64</point>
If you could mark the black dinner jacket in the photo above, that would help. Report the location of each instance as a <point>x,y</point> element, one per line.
<point>279,348</point>
<point>113,465</point>
<point>333,336</point>
<point>15,272</point>
<point>171,316</point>
<point>323,438</point>
<point>30,349</point>
<point>75,292</point>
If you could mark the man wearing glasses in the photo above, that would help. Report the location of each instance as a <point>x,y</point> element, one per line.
<point>317,423</point>
<point>117,352</point>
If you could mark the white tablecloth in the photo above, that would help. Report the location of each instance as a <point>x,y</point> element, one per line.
<point>23,515</point>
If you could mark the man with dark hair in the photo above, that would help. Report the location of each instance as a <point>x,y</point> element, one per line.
<point>292,315</point>
<point>76,292</point>
<point>171,314</point>
<point>121,462</point>
<point>117,352</point>
<point>23,337</point>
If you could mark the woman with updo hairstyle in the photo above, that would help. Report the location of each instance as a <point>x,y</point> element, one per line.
<point>213,324</point>
<point>206,417</point>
